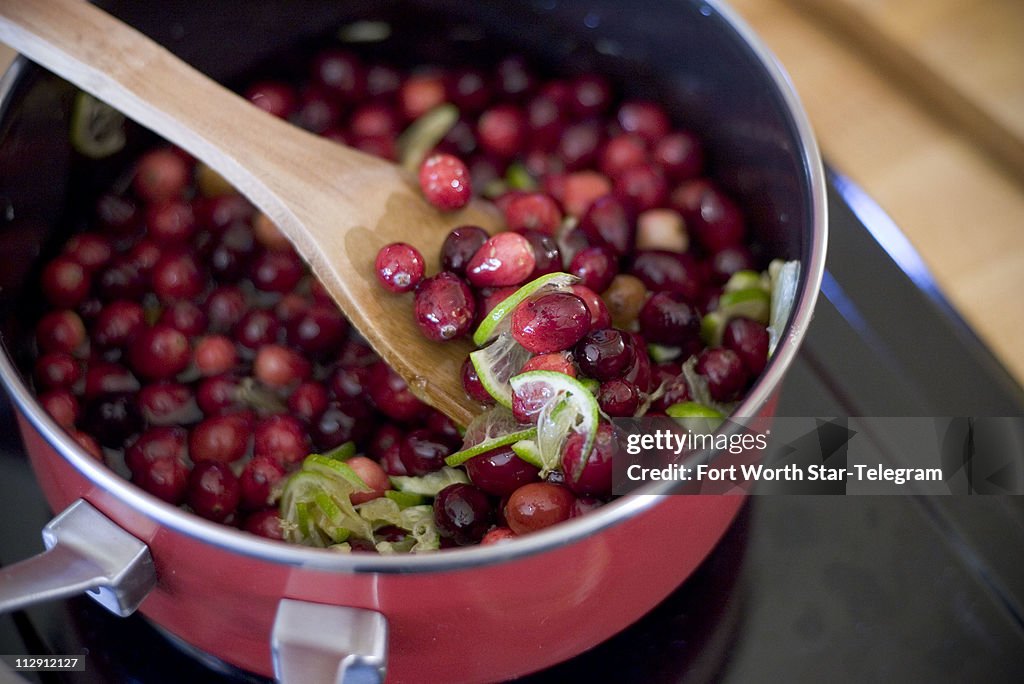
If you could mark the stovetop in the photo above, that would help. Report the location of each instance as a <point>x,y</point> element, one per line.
<point>802,588</point>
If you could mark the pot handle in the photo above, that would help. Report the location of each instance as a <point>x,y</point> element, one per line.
<point>315,642</point>
<point>85,552</point>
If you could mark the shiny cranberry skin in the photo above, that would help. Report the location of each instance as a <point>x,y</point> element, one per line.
<point>459,247</point>
<point>600,317</point>
<point>645,119</point>
<point>463,513</point>
<point>581,189</point>
<point>308,401</point>
<point>622,152</point>
<point>423,452</point>
<point>167,403</point>
<point>177,275</point>
<point>215,355</point>
<point>219,394</point>
<point>662,271</point>
<point>547,256</point>
<point>57,369</point>
<point>257,481</point>
<point>749,340</point>
<point>334,427</point>
<point>170,222</point>
<point>62,406</point>
<point>421,92</point>
<point>319,331</point>
<point>160,175</point>
<point>220,438</point>
<point>500,472</point>
<point>217,213</point>
<point>166,479</point>
<point>550,322</point>
<point>619,398</point>
<point>399,267</point>
<point>501,130</point>
<point>265,523</point>
<point>544,122</point>
<point>157,444</point>
<point>643,185</point>
<point>533,211</point>
<point>65,282</point>
<point>498,535</point>
<point>445,181</point>
<point>91,250</point>
<point>224,307</point>
<point>282,438</point>
<point>579,144</point>
<point>392,395</point>
<point>273,97</point>
<point>728,261</point>
<point>102,377</point>
<point>230,256</point>
<point>444,307</point>
<point>257,328</point>
<point>528,401</point>
<point>680,155</point>
<point>592,477</point>
<point>373,476</point>
<point>667,318</point>
<point>611,222</point>
<point>113,418</point>
<point>725,373</point>
<point>317,110</point>
<point>278,366</point>
<point>605,354</point>
<point>538,505</point>
<point>595,266</point>
<point>640,372</point>
<point>277,271</point>
<point>348,385</point>
<point>714,219</point>
<point>557,362</point>
<point>374,119</point>
<point>384,438</point>
<point>185,317</point>
<point>213,490</point>
<point>60,331</point>
<point>471,383</point>
<point>159,352</point>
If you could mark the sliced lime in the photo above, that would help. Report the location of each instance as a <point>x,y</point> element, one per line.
<point>431,483</point>
<point>712,327</point>
<point>333,468</point>
<point>97,129</point>
<point>342,452</point>
<point>593,386</point>
<point>517,177</point>
<point>529,452</point>
<point>424,134</point>
<point>753,303</point>
<point>460,457</point>
<point>570,407</point>
<point>785,277</point>
<point>746,280</point>
<point>692,409</point>
<point>659,353</point>
<point>498,362</point>
<point>496,321</point>
<point>405,499</point>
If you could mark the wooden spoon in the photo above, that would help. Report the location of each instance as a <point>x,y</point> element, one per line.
<point>337,205</point>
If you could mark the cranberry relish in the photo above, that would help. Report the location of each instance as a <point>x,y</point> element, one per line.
<point>184,342</point>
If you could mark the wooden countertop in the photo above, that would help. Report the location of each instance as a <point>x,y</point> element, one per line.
<point>921,102</point>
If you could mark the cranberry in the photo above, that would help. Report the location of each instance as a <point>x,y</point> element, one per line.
<point>489,298</point>
<point>213,490</point>
<point>278,366</point>
<point>600,317</point>
<point>680,155</point>
<point>501,130</point>
<point>640,373</point>
<point>231,256</point>
<point>341,73</point>
<point>266,232</point>
<point>57,369</point>
<point>155,444</point>
<point>500,472</point>
<point>513,79</point>
<point>444,307</point>
<point>62,406</point>
<point>348,385</point>
<point>725,373</point>
<point>318,331</point>
<point>579,144</point>
<point>116,214</point>
<point>463,513</point>
<point>60,331</point>
<point>308,401</point>
<point>277,271</point>
<point>282,438</point>
<point>668,319</point>
<point>317,110</point>
<point>537,505</point>
<point>445,182</point>
<point>185,317</point>
<point>498,535</point>
<point>749,340</point>
<point>592,477</point>
<point>265,523</point>
<point>215,355</point>
<point>595,267</point>
<point>533,211</point>
<point>391,460</point>
<point>159,352</point>
<point>459,247</point>
<point>102,377</point>
<point>170,222</point>
<point>91,250</point>
<point>668,271</point>
<point>399,267</point>
<point>643,186</point>
<point>164,478</point>
<point>619,398</point>
<point>605,354</point>
<point>550,322</point>
<point>611,222</point>
<point>220,438</point>
<point>544,121</point>
<point>160,175</point>
<point>167,403</point>
<point>423,452</point>
<point>558,362</point>
<point>590,95</point>
<point>218,213</point>
<point>547,256</point>
<point>420,93</point>
<point>528,401</point>
<point>257,482</point>
<point>273,97</point>
<point>65,282</point>
<point>471,383</point>
<point>224,307</point>
<point>622,152</point>
<point>646,119</point>
<point>582,189</point>
<point>374,119</point>
<point>728,261</point>
<point>256,328</point>
<point>372,475</point>
<point>335,426</point>
<point>384,438</point>
<point>710,215</point>
<point>219,394</point>
<point>177,275</point>
<point>89,445</point>
<point>113,418</point>
<point>392,395</point>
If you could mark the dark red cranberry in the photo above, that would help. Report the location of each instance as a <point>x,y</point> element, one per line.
<point>257,328</point>
<point>501,130</point>
<point>160,175</point>
<point>550,322</point>
<point>159,352</point>
<point>273,97</point>
<point>157,444</point>
<point>505,259</point>
<point>378,146</point>
<point>500,472</point>
<point>278,366</point>
<point>445,428</point>
<point>121,279</point>
<point>60,331</point>
<point>676,391</point>
<point>220,438</point>
<point>714,219</point>
<point>215,354</point>
<point>341,73</point>
<point>423,452</point>
<point>445,182</point>
<point>113,418</point>
<point>463,513</point>
<point>513,79</point>
<point>116,214</point>
<point>391,460</point>
<point>592,477</point>
<point>590,95</point>
<point>165,478</point>
<point>544,121</point>
<point>224,307</point>
<point>232,253</point>
<point>348,385</point>
<point>399,267</point>
<point>643,186</point>
<point>170,222</point>
<point>557,362</point>
<point>533,211</point>
<point>185,317</point>
<point>468,90</point>
<point>749,340</point>
<point>102,377</point>
<point>282,438</point>
<point>334,427</point>
<point>460,141</point>
<point>611,222</point>
<point>488,298</point>
<point>213,490</point>
<point>725,373</point>
<point>728,261</point>
<point>595,266</point>
<point>62,406</point>
<point>666,318</point>
<point>605,354</point>
<point>547,256</point>
<point>219,394</point>
<point>640,373</point>
<point>444,307</point>
<point>265,523</point>
<point>459,247</point>
<point>619,398</point>
<point>91,250</point>
<point>167,403</point>
<point>384,438</point>
<point>57,369</point>
<point>392,395</point>
<point>622,152</point>
<point>600,317</point>
<point>65,282</point>
<point>680,155</point>
<point>471,383</point>
<point>257,482</point>
<point>317,110</point>
<point>222,211</point>
<point>177,275</point>
<point>319,331</point>
<point>645,119</point>
<point>579,145</point>
<point>538,505</point>
<point>668,271</point>
<point>308,401</point>
<point>277,271</point>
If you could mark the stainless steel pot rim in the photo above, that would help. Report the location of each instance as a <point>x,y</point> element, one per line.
<point>561,535</point>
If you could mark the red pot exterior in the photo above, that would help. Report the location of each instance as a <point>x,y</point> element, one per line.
<point>484,623</point>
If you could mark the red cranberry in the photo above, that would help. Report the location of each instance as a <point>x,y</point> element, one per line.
<point>392,395</point>
<point>463,513</point>
<point>622,152</point>
<point>500,472</point>
<point>489,298</point>
<point>273,97</point>
<point>710,215</point>
<point>278,366</point>
<point>579,144</point>
<point>308,401</point>
<point>170,222</point>
<point>220,438</point>
<point>265,523</point>
<point>680,155</point>
<point>590,95</point>
<point>533,211</point>
<point>666,318</point>
<point>121,279</point>
<point>547,256</point>
<point>605,354</point>
<point>544,121</point>
<point>102,377</point>
<point>159,352</point>
<point>277,271</point>
<point>468,90</point>
<point>596,267</point>
<point>444,307</point>
<point>224,307</point>
<point>185,317</point>
<point>60,331</point>
<point>643,186</point>
<point>501,130</point>
<point>160,175</point>
<point>550,322</point>
<point>399,267</point>
<point>581,189</point>
<point>113,418</point>
<point>157,444</point>
<point>423,452</point>
<point>471,383</point>
<point>459,247</point>
<point>384,438</point>
<point>257,482</point>
<point>420,93</point>
<point>668,271</point>
<point>176,275</point>
<point>62,406</point>
<point>91,250</point>
<point>538,505</point>
<point>558,362</point>
<point>215,355</point>
<point>317,110</point>
<point>728,261</point>
<point>676,390</point>
<point>335,426</point>
<point>318,331</point>
<point>219,394</point>
<point>116,214</point>
<point>513,79</point>
<point>374,119</point>
<point>724,371</point>
<point>166,479</point>
<point>498,535</point>
<point>348,385</point>
<point>217,213</point>
<point>257,328</point>
<point>231,255</point>
<point>611,222</point>
<point>57,369</point>
<point>640,373</point>
<point>749,339</point>
<point>213,490</point>
<point>592,477</point>
<point>65,282</point>
<point>341,73</point>
<point>646,119</point>
<point>445,182</point>
<point>619,398</point>
<point>600,317</point>
<point>167,403</point>
<point>282,438</point>
<point>372,475</point>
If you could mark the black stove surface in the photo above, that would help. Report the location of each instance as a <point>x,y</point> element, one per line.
<point>802,588</point>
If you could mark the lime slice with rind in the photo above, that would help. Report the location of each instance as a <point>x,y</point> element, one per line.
<point>746,280</point>
<point>752,303</point>
<point>785,278</point>
<point>431,483</point>
<point>692,409</point>
<point>497,322</point>
<point>97,129</point>
<point>661,353</point>
<point>529,452</point>
<point>496,363</point>
<point>405,499</point>
<point>324,465</point>
<point>424,134</point>
<point>570,407</point>
<point>460,457</point>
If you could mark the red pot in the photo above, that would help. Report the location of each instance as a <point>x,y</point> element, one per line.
<point>473,614</point>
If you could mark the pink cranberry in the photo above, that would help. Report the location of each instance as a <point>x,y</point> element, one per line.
<point>215,355</point>
<point>399,267</point>
<point>590,95</point>
<point>91,250</point>
<point>374,119</point>
<point>89,445</point>
<point>558,362</point>
<point>533,211</point>
<point>278,366</point>
<point>257,482</point>
<point>725,373</point>
<point>220,438</point>
<point>420,93</point>
<point>60,331</point>
<point>65,282</point>
<point>62,406</point>
<point>159,352</point>
<point>160,175</point>
<point>498,535</point>
<point>501,130</point>
<point>595,266</point>
<point>445,182</point>
<point>550,322</point>
<point>392,395</point>
<point>581,189</point>
<point>444,307</point>
<point>213,490</point>
<point>273,97</point>
<point>370,472</point>
<point>505,259</point>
